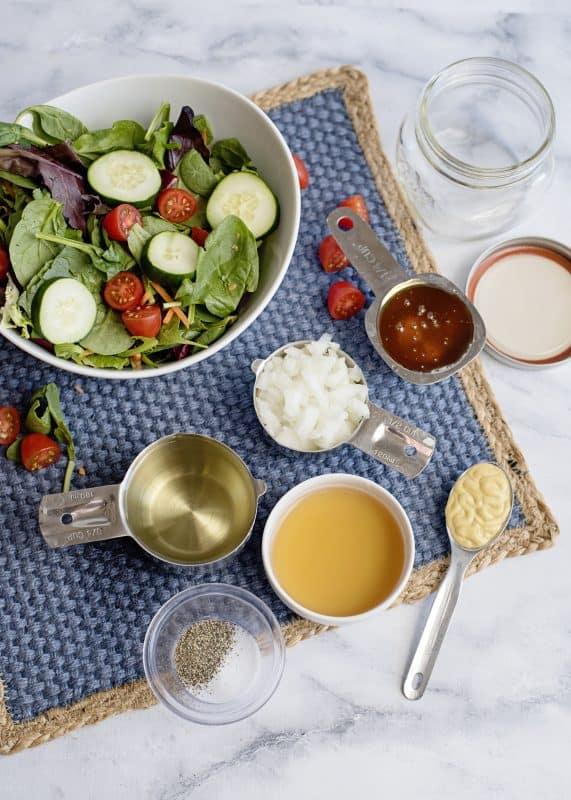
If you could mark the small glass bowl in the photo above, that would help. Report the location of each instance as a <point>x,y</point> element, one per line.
<point>213,601</point>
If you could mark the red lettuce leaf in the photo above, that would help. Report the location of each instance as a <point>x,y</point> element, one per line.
<point>62,173</point>
<point>185,136</point>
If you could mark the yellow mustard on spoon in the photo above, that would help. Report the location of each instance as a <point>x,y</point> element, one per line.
<point>477,512</point>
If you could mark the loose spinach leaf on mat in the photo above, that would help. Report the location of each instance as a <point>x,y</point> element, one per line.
<point>231,155</point>
<point>227,268</point>
<point>52,124</point>
<point>45,416</point>
<point>197,175</point>
<point>184,137</point>
<point>28,254</point>
<point>62,173</point>
<point>125,134</point>
<point>13,451</point>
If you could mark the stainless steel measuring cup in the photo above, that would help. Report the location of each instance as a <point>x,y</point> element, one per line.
<point>186,499</point>
<point>428,647</point>
<point>386,277</point>
<point>384,436</point>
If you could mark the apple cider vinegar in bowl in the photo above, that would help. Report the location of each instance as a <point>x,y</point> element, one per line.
<point>338,548</point>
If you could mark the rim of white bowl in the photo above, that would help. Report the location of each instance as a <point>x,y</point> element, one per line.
<point>240,325</point>
<point>306,487</point>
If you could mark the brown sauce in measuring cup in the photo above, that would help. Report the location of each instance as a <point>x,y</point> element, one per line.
<point>424,327</point>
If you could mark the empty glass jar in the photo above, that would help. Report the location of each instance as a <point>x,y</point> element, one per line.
<point>476,154</point>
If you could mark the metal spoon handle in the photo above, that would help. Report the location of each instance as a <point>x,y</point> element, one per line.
<point>428,647</point>
<point>376,265</point>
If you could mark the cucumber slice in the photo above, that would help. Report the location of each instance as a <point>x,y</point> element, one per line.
<point>63,310</point>
<point>125,176</point>
<point>244,195</point>
<point>170,257</point>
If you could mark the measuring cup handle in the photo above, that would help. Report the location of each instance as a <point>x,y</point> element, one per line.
<point>394,441</point>
<point>86,515</point>
<point>428,647</point>
<point>367,254</point>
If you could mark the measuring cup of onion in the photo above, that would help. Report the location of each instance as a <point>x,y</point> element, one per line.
<point>311,397</point>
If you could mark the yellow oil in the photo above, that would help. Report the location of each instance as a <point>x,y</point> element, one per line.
<point>338,552</point>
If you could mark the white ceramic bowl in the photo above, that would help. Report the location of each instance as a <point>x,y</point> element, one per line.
<point>231,114</point>
<point>327,481</point>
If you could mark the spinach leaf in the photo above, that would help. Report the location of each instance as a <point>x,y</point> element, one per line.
<point>197,175</point>
<point>12,314</point>
<point>53,124</point>
<point>202,124</point>
<point>73,352</point>
<point>12,133</point>
<point>231,155</point>
<point>110,261</point>
<point>124,134</point>
<point>158,134</point>
<point>28,254</point>
<point>214,332</point>
<point>62,173</point>
<point>227,268</point>
<point>184,137</point>
<point>140,235</point>
<point>17,180</point>
<point>108,335</point>
<point>185,294</point>
<point>13,452</point>
<point>45,416</point>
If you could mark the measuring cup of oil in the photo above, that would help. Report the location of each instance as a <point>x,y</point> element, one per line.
<point>186,499</point>
<point>389,439</point>
<point>423,327</point>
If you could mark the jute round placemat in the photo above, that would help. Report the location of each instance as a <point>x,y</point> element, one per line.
<point>538,533</point>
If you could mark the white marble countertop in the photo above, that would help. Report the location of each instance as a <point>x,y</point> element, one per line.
<point>496,721</point>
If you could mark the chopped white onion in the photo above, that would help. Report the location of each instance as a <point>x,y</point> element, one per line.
<point>309,399</point>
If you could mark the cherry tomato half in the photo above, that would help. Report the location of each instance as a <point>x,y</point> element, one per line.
<point>123,291</point>
<point>357,204</point>
<point>344,300</point>
<point>4,264</point>
<point>331,256</point>
<point>143,321</point>
<point>38,451</point>
<point>176,205</point>
<point>118,223</point>
<point>302,173</point>
<point>9,424</point>
<point>199,235</point>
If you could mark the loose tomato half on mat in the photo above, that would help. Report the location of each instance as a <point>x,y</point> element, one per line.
<point>38,451</point>
<point>331,256</point>
<point>9,424</point>
<point>357,204</point>
<point>4,264</point>
<point>344,300</point>
<point>123,291</point>
<point>302,173</point>
<point>118,223</point>
<point>176,205</point>
<point>144,321</point>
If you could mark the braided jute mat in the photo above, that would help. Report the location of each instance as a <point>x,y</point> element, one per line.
<point>538,533</point>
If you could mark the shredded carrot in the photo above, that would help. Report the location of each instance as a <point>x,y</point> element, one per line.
<point>168,299</point>
<point>168,316</point>
<point>136,361</point>
<point>146,298</point>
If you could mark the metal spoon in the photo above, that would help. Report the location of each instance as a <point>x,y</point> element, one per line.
<point>428,647</point>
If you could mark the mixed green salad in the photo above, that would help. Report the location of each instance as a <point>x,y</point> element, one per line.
<point>127,247</point>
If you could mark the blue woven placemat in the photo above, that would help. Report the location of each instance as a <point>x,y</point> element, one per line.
<point>72,621</point>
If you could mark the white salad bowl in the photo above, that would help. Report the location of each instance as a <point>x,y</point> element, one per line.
<point>231,114</point>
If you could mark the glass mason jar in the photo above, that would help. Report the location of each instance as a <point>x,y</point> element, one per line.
<point>476,154</point>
